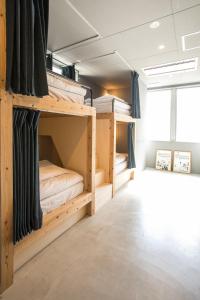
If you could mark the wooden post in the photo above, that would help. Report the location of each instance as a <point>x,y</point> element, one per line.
<point>113,125</point>
<point>6,171</point>
<point>2,44</point>
<point>91,161</point>
<point>6,193</point>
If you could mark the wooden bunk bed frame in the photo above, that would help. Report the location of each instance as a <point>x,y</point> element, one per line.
<point>46,104</point>
<point>106,135</point>
<point>52,219</point>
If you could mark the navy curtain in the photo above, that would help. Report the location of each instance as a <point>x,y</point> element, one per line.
<point>135,96</point>
<point>27,213</point>
<point>69,72</point>
<point>131,152</point>
<point>26,35</point>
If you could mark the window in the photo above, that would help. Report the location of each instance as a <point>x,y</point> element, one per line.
<point>188,115</point>
<point>158,115</point>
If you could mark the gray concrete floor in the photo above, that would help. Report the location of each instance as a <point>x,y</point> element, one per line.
<point>143,245</point>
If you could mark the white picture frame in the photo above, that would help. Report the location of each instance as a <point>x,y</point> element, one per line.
<point>182,162</point>
<point>164,160</point>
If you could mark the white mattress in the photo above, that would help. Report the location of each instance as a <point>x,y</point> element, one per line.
<point>57,185</point>
<point>105,104</point>
<point>54,179</point>
<point>121,167</point>
<point>120,157</point>
<point>70,94</point>
<point>55,201</point>
<point>65,88</point>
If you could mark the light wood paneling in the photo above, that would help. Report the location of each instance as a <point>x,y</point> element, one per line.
<point>49,104</point>
<point>6,193</point>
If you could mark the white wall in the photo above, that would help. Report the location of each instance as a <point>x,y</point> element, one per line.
<point>194,148</point>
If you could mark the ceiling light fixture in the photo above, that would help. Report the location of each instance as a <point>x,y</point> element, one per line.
<point>172,68</point>
<point>154,25</point>
<point>161,47</point>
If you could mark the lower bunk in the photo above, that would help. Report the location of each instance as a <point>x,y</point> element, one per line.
<point>122,173</point>
<point>66,173</point>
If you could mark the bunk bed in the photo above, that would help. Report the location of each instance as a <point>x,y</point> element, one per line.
<point>62,110</point>
<point>110,103</point>
<point>111,131</point>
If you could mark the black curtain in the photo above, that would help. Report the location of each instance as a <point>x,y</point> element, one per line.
<point>69,72</point>
<point>49,61</point>
<point>135,95</point>
<point>27,213</point>
<point>27,30</point>
<point>131,152</point>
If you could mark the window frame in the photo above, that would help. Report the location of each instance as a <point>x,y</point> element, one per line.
<point>173,112</point>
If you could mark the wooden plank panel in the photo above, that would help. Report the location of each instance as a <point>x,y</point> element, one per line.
<point>49,104</point>
<point>103,146</point>
<point>70,138</point>
<point>113,152</point>
<point>118,117</point>
<point>6,193</point>
<point>52,219</point>
<point>91,161</point>
<point>124,118</point>
<point>123,178</point>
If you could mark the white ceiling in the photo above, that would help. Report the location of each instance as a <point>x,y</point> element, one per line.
<point>123,25</point>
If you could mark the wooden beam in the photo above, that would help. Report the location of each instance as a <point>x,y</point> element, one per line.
<point>52,105</point>
<point>118,117</point>
<point>2,44</point>
<point>91,161</point>
<point>113,128</point>
<point>6,192</point>
<point>124,118</point>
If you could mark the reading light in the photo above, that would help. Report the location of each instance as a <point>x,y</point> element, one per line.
<point>154,25</point>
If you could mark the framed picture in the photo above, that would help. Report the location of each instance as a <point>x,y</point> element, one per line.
<point>182,162</point>
<point>164,160</point>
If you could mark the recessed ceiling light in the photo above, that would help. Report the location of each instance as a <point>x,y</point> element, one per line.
<point>172,68</point>
<point>161,47</point>
<point>154,25</point>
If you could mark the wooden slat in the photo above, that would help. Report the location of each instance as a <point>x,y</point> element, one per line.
<point>123,178</point>
<point>2,43</point>
<point>116,116</point>
<point>56,216</point>
<point>6,193</point>
<point>49,104</point>
<point>124,118</point>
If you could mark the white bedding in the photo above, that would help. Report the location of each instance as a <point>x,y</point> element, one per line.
<point>57,185</point>
<point>121,167</point>
<point>120,157</point>
<point>65,89</point>
<point>54,179</point>
<point>105,104</point>
<point>52,202</point>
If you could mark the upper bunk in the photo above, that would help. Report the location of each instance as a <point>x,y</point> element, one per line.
<point>112,107</point>
<point>65,97</point>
